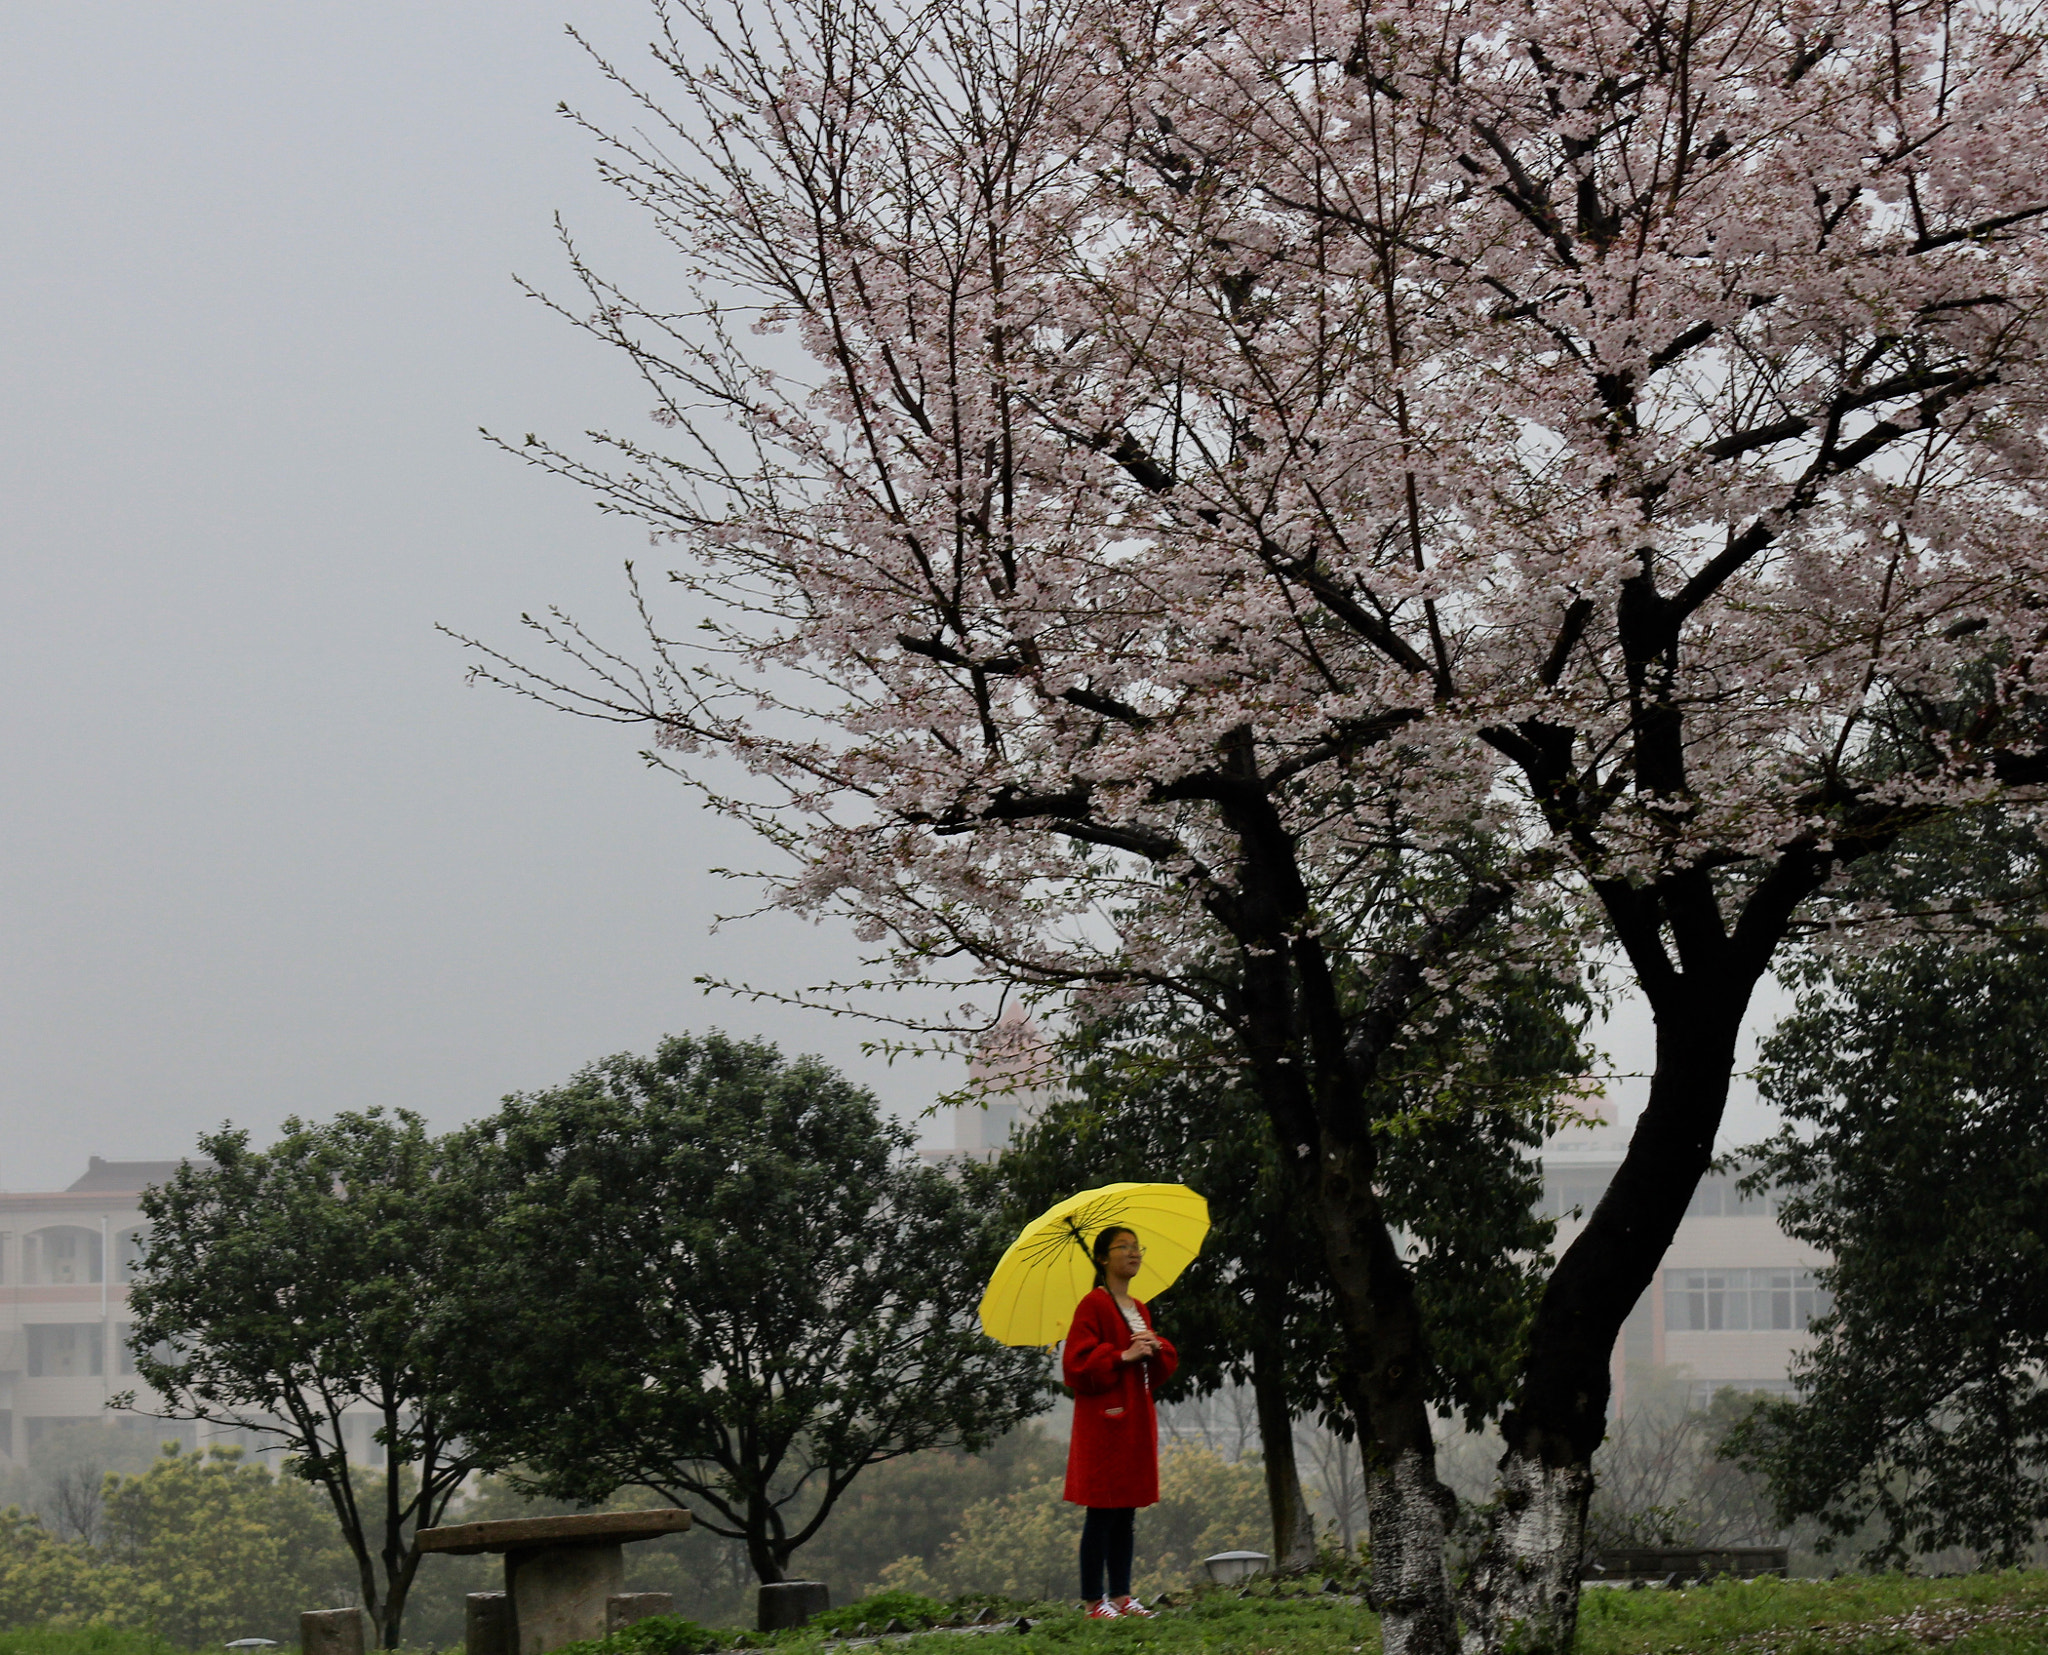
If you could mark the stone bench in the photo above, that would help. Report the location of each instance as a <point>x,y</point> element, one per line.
<point>561,1573</point>
<point>1687,1562</point>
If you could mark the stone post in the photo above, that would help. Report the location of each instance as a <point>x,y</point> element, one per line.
<point>790,1603</point>
<point>331,1632</point>
<point>486,1624</point>
<point>622,1609</point>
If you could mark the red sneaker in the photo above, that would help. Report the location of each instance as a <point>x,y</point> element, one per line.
<point>1131,1606</point>
<point>1104,1611</point>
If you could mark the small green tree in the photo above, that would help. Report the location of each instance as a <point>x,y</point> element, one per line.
<point>42,1578</point>
<point>203,1548</point>
<point>724,1278</point>
<point>280,1289</point>
<point>1915,1090</point>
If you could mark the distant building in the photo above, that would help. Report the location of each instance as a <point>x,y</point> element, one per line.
<point>1010,1079</point>
<point>1732,1299</point>
<point>65,1258</point>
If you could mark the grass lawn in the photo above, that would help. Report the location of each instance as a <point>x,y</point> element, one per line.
<point>89,1640</point>
<point>1991,1614</point>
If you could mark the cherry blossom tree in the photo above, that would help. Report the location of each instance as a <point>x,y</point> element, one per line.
<point>1304,486</point>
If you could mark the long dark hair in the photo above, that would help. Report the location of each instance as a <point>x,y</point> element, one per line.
<point>1099,1251</point>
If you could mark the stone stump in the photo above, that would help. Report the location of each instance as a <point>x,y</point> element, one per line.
<point>623,1609</point>
<point>486,1624</point>
<point>791,1603</point>
<point>331,1632</point>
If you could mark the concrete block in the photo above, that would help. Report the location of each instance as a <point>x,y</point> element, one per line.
<point>622,1609</point>
<point>487,1624</point>
<point>331,1632</point>
<point>791,1603</point>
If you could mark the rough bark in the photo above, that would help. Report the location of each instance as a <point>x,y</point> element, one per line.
<point>1524,1589</point>
<point>1408,1511</point>
<point>1294,1528</point>
<point>1523,1592</point>
<point>1312,1064</point>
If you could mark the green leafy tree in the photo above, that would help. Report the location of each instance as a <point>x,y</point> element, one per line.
<point>1914,1084</point>
<point>1158,1095</point>
<point>725,1278</point>
<point>280,1289</point>
<point>44,1579</point>
<point>203,1548</point>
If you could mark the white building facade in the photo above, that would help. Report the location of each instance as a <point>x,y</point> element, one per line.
<point>65,1260</point>
<point>64,1264</point>
<point>1013,1075</point>
<point>1732,1299</point>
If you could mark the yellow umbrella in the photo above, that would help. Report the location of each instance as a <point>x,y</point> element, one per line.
<point>1031,1297</point>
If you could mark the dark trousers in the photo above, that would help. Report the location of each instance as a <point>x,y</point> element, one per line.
<point>1107,1544</point>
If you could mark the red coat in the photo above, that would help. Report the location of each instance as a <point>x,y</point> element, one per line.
<point>1114,1457</point>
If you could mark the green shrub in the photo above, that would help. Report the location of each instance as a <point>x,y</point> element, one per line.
<point>910,1608</point>
<point>656,1635</point>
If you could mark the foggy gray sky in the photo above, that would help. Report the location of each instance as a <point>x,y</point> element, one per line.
<point>264,851</point>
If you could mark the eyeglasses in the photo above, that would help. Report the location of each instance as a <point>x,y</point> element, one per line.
<point>1128,1247</point>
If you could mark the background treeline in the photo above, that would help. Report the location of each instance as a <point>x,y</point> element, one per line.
<point>196,1549</point>
<point>202,1548</point>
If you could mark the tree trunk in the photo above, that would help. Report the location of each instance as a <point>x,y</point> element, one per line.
<point>1408,1511</point>
<point>1523,1594</point>
<point>1294,1528</point>
<point>766,1552</point>
<point>1311,1064</point>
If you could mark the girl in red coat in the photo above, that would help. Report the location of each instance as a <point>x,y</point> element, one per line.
<point>1113,1360</point>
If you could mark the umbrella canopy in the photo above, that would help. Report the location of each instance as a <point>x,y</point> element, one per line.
<point>1031,1297</point>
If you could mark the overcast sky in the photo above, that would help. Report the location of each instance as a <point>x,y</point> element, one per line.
<point>265,852</point>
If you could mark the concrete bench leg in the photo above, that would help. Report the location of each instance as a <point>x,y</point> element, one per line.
<point>559,1594</point>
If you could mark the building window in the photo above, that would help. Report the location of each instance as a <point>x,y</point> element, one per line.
<point>1719,1195</point>
<point>65,1350</point>
<point>1564,1191</point>
<point>1700,1394</point>
<point>1741,1301</point>
<point>124,1354</point>
<point>129,1246</point>
<point>64,1255</point>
